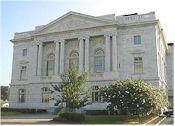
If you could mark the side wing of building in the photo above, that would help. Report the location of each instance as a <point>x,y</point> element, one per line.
<point>170,72</point>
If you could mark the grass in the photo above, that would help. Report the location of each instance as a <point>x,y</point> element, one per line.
<point>102,119</point>
<point>112,119</point>
<point>116,119</point>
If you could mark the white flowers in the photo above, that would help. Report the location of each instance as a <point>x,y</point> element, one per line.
<point>127,92</point>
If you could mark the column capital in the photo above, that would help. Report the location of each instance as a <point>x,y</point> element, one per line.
<point>59,40</point>
<point>83,37</point>
<point>80,38</point>
<point>111,33</point>
<point>107,35</point>
<point>56,41</point>
<point>39,43</point>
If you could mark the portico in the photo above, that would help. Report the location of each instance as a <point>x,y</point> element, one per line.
<point>110,50</point>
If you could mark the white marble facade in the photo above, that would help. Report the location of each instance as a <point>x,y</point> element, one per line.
<point>84,34</point>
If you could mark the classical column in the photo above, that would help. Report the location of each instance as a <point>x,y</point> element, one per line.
<point>56,57</point>
<point>81,55</point>
<point>62,57</point>
<point>40,53</point>
<point>35,63</point>
<point>114,53</point>
<point>87,54</point>
<point>107,53</point>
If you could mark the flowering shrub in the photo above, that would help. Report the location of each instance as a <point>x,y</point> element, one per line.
<point>134,97</point>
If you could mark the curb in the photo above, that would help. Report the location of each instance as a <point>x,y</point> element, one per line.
<point>151,120</point>
<point>161,121</point>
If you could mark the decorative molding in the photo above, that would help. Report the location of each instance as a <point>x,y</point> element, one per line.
<point>23,62</point>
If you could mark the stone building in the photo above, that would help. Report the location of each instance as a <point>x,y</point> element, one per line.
<point>170,72</point>
<point>107,47</point>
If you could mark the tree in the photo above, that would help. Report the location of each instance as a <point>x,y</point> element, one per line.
<point>134,97</point>
<point>5,92</point>
<point>72,89</point>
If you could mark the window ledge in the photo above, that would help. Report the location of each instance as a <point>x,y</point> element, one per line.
<point>23,80</point>
<point>139,45</point>
<point>138,73</point>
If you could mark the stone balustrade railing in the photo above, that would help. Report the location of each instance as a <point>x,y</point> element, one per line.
<point>23,35</point>
<point>135,18</point>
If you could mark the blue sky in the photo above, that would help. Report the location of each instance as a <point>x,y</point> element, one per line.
<point>19,16</point>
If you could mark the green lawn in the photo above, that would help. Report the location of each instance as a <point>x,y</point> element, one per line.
<point>110,119</point>
<point>115,119</point>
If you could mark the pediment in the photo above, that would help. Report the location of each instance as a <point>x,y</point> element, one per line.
<point>72,21</point>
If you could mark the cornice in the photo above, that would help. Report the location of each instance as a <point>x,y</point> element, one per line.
<point>78,29</point>
<point>22,39</point>
<point>114,25</point>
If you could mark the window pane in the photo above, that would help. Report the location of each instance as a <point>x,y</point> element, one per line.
<point>45,94</point>
<point>50,67</point>
<point>138,65</point>
<point>23,75</point>
<point>22,95</point>
<point>73,62</point>
<point>24,52</point>
<point>137,39</point>
<point>99,63</point>
<point>95,94</point>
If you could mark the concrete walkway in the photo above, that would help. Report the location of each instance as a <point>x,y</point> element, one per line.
<point>27,119</point>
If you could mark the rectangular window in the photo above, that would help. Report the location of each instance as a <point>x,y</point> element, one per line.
<point>22,95</point>
<point>50,68</point>
<point>23,73</point>
<point>96,94</point>
<point>138,65</point>
<point>137,39</point>
<point>24,52</point>
<point>45,94</point>
<point>95,97</point>
<point>99,64</point>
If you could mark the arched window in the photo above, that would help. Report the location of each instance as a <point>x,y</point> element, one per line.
<point>96,94</point>
<point>99,60</point>
<point>74,60</point>
<point>45,94</point>
<point>50,64</point>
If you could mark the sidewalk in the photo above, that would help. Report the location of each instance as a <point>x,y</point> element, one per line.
<point>27,119</point>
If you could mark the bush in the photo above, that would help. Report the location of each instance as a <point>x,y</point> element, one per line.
<point>97,112</point>
<point>134,97</point>
<point>59,119</point>
<point>77,117</point>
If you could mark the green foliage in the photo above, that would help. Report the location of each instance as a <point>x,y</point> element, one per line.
<point>72,89</point>
<point>77,117</point>
<point>134,97</point>
<point>5,92</point>
<point>96,112</point>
